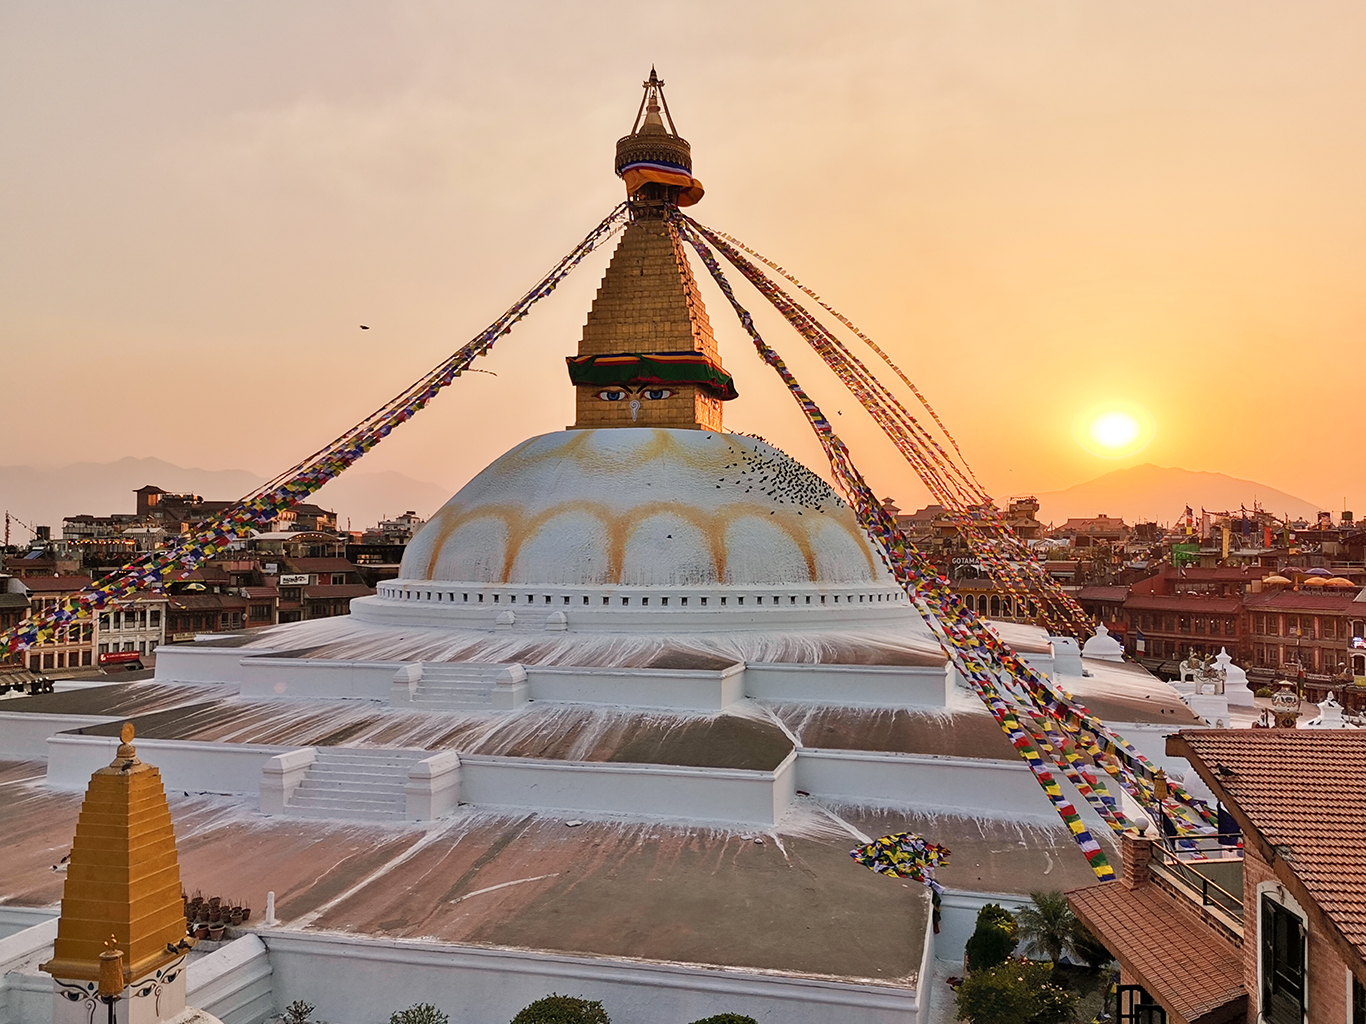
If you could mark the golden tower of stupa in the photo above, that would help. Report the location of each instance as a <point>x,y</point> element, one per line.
<point>647,357</point>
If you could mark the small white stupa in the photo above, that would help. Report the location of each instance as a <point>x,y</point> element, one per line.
<point>1236,688</point>
<point>1102,646</point>
<point>1329,717</point>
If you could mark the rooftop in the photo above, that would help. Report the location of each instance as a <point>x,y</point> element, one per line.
<point>1299,790</point>
<point>1193,969</point>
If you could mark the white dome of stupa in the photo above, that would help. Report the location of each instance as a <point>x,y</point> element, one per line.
<point>595,545</point>
<point>644,508</point>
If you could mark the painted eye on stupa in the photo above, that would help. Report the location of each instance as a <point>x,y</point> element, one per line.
<point>612,395</point>
<point>656,394</point>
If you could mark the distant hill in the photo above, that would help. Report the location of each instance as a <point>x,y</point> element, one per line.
<point>44,495</point>
<point>1148,492</point>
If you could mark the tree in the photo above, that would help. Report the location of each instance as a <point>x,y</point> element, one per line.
<point>727,1018</point>
<point>994,938</point>
<point>1015,992</point>
<point>1047,925</point>
<point>297,1012</point>
<point>557,1009</point>
<point>419,1013</point>
<point>1089,949</point>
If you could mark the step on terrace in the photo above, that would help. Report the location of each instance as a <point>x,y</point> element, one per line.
<point>369,785</point>
<point>449,686</point>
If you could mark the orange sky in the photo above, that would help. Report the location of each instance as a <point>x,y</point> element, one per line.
<point>1035,206</point>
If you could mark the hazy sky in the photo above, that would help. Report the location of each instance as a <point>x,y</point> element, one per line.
<point>1039,207</point>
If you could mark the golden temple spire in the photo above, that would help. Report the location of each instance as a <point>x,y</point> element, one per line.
<point>647,357</point>
<point>122,889</point>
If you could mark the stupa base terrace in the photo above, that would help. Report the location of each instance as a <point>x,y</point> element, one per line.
<point>669,835</point>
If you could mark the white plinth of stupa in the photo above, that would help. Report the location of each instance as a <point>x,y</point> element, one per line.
<point>159,998</point>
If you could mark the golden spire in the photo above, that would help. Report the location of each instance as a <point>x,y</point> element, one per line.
<point>122,891</point>
<point>647,357</point>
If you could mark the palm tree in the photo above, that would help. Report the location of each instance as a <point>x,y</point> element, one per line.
<point>1047,924</point>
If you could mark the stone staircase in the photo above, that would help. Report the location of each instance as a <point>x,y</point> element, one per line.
<point>453,686</point>
<point>364,784</point>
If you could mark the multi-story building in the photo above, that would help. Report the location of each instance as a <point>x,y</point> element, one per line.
<point>137,627</point>
<point>1261,924</point>
<point>73,647</point>
<point>1313,636</point>
<point>1192,609</point>
<point>189,614</point>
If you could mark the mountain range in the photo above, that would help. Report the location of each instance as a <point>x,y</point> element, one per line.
<point>44,495</point>
<point>1150,493</point>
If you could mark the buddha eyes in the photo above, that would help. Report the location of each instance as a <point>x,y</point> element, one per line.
<point>650,394</point>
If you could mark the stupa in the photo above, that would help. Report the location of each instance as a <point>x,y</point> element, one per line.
<point>638,688</point>
<point>121,939</point>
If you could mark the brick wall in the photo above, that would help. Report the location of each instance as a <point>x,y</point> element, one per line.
<point>1327,972</point>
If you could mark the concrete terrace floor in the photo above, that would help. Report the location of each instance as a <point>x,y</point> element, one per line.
<point>792,901</point>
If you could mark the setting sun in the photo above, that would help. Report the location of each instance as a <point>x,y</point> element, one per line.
<point>1114,430</point>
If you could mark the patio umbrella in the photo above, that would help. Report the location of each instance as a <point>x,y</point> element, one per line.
<point>1315,581</point>
<point>1317,571</point>
<point>906,855</point>
<point>1338,581</point>
<point>1275,579</point>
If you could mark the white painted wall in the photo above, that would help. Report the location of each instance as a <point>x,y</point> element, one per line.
<point>959,909</point>
<point>234,982</point>
<point>674,689</point>
<point>961,785</point>
<point>23,737</point>
<point>198,663</point>
<point>26,998</point>
<point>185,764</point>
<point>652,791</point>
<point>362,981</point>
<point>871,685</point>
<point>266,676</point>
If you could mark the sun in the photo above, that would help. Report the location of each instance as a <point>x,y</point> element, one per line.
<point>1114,430</point>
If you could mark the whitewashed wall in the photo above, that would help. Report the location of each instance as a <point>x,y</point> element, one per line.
<point>363,981</point>
<point>961,785</point>
<point>870,685</point>
<point>23,737</point>
<point>597,787</point>
<point>185,764</point>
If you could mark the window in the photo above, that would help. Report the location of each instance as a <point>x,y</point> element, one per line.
<point>156,618</point>
<point>1358,1002</point>
<point>1283,972</point>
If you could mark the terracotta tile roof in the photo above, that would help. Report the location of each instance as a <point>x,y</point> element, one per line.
<point>323,591</point>
<point>55,584</point>
<point>1312,600</point>
<point>319,564</point>
<point>1187,966</point>
<point>256,593</point>
<point>1302,792</point>
<point>207,602</point>
<point>1195,603</point>
<point>1099,593</point>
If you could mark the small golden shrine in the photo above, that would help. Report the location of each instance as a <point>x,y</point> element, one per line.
<point>123,878</point>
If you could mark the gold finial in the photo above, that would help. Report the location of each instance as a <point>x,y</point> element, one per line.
<point>1160,788</point>
<point>127,753</point>
<point>111,969</point>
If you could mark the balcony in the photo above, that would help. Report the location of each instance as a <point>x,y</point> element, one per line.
<point>1207,871</point>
